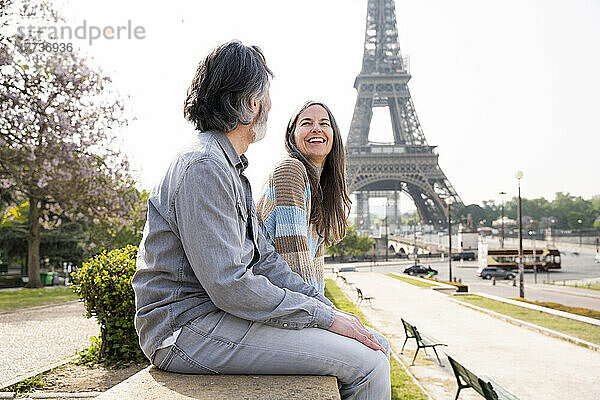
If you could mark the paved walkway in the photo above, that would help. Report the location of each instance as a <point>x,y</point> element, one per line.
<point>33,338</point>
<point>532,365</point>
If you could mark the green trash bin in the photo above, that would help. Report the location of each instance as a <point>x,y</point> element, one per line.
<point>46,278</point>
<point>51,278</point>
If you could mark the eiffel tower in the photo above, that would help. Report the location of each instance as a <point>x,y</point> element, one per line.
<point>408,164</point>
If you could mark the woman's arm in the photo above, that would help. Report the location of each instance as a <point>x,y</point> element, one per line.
<point>284,215</point>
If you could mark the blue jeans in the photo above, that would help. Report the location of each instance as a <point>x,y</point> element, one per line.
<point>220,343</point>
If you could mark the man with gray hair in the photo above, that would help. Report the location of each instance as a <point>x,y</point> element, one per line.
<point>212,296</point>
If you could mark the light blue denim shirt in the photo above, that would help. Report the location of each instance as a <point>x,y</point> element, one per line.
<point>203,250</point>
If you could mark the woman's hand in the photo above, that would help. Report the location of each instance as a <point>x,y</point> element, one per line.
<point>349,325</point>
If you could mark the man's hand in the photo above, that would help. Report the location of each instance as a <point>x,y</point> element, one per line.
<point>349,314</point>
<point>349,325</point>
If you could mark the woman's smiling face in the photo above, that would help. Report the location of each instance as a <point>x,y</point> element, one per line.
<point>313,134</point>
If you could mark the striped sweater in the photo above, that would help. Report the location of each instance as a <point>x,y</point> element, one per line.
<point>284,217</point>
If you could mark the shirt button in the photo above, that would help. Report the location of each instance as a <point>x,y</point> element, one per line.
<point>285,325</point>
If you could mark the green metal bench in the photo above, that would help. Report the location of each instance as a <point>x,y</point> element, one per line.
<point>484,385</point>
<point>423,341</point>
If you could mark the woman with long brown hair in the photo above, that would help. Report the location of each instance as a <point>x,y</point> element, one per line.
<point>305,204</point>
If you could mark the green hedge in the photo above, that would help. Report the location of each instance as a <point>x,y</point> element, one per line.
<point>461,287</point>
<point>104,284</point>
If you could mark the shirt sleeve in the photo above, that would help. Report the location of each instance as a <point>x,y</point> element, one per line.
<point>284,211</point>
<point>274,267</point>
<point>207,218</point>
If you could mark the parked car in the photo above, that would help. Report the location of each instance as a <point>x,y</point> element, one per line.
<point>465,255</point>
<point>420,270</point>
<point>495,272</point>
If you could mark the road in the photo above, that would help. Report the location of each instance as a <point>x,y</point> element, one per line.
<point>36,337</point>
<point>574,268</point>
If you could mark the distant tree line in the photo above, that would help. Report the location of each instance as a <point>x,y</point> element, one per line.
<point>564,212</point>
<point>69,240</point>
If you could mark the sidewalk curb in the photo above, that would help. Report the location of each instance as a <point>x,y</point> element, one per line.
<point>528,325</point>
<point>569,292</point>
<point>409,373</point>
<point>39,307</point>
<point>547,310</point>
<point>60,395</point>
<point>438,286</point>
<point>38,371</point>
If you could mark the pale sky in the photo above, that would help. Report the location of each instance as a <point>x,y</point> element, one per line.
<point>497,86</point>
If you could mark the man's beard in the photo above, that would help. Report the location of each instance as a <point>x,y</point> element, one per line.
<point>259,128</point>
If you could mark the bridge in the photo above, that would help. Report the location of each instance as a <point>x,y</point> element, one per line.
<point>406,245</point>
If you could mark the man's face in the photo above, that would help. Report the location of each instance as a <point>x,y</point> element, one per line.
<point>259,126</point>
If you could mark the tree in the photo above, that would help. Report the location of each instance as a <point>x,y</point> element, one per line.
<point>413,218</point>
<point>56,142</point>
<point>107,236</point>
<point>352,244</point>
<point>477,213</point>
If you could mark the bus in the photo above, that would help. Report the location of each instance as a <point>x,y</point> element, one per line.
<point>508,259</point>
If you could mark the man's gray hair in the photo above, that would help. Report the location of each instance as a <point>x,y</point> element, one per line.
<point>225,82</point>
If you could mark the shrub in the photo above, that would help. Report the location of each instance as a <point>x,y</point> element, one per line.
<point>104,284</point>
<point>462,288</point>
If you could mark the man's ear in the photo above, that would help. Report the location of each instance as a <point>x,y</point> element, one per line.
<point>254,105</point>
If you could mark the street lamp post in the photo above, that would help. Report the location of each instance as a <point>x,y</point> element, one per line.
<point>415,252</point>
<point>552,222</point>
<point>449,202</point>
<point>502,222</point>
<point>519,175</point>
<point>387,244</point>
<point>532,235</point>
<point>579,222</point>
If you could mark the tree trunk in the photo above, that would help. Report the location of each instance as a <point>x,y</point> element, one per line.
<point>33,245</point>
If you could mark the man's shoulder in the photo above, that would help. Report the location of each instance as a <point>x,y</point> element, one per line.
<point>201,152</point>
<point>203,147</point>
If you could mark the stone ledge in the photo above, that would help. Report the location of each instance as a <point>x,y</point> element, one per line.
<point>152,383</point>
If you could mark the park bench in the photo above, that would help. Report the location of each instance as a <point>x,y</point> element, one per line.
<point>362,297</point>
<point>345,280</point>
<point>423,342</point>
<point>484,385</point>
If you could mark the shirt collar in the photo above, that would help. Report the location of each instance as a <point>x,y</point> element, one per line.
<point>239,162</point>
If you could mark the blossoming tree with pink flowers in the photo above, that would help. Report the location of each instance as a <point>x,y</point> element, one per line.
<point>58,147</point>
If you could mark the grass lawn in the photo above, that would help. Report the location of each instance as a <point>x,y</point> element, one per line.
<point>577,329</point>
<point>23,298</point>
<point>585,312</point>
<point>415,282</point>
<point>403,386</point>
